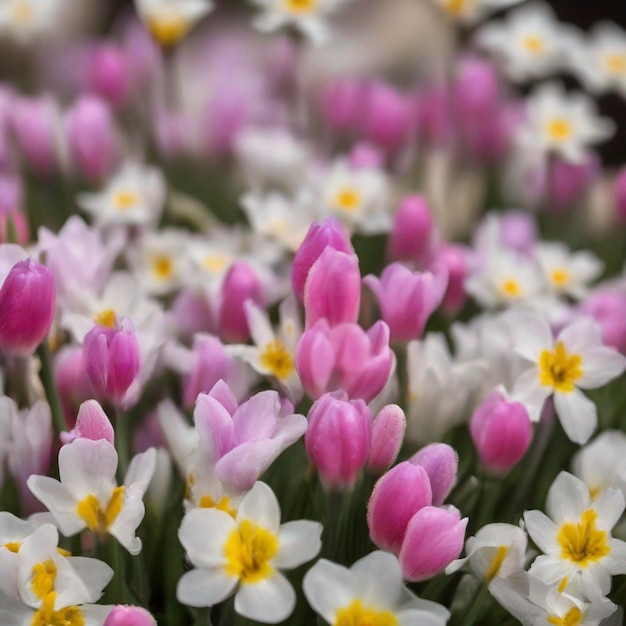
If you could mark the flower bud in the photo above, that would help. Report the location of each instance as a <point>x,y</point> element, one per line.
<point>501,432</point>
<point>240,284</point>
<point>608,308</point>
<point>455,259</point>
<point>27,303</point>
<point>108,76</point>
<point>342,103</point>
<point>365,156</point>
<point>333,288</point>
<point>71,380</point>
<point>387,436</point>
<point>112,359</point>
<point>338,439</point>
<point>412,229</point>
<point>518,231</point>
<point>477,89</point>
<point>327,233</point>
<point>441,463</point>
<point>434,538</point>
<point>92,423</point>
<point>396,498</point>
<point>568,181</point>
<point>129,616</point>
<point>91,137</point>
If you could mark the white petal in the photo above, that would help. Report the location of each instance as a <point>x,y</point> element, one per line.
<point>609,506</point>
<point>568,497</point>
<point>577,415</point>
<point>600,365</point>
<point>140,471</point>
<point>270,601</point>
<point>531,334</point>
<point>95,576</point>
<point>379,578</point>
<point>328,587</point>
<point>261,506</point>
<point>542,530</point>
<point>531,393</point>
<point>300,541</point>
<point>203,533</point>
<point>127,522</point>
<point>59,502</point>
<point>205,587</point>
<point>581,335</point>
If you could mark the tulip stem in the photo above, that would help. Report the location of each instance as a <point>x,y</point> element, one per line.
<point>52,393</point>
<point>476,607</point>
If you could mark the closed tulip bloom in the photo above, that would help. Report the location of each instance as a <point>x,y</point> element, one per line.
<point>412,229</point>
<point>342,103</point>
<point>108,74</point>
<point>407,299</point>
<point>333,288</point>
<point>338,439</point>
<point>455,259</point>
<point>112,359</point>
<point>608,308</point>
<point>395,499</point>
<point>129,616</point>
<point>92,423</point>
<point>387,437</point>
<point>441,463</point>
<point>329,232</point>
<point>434,538</point>
<point>344,357</point>
<point>501,432</point>
<point>27,303</point>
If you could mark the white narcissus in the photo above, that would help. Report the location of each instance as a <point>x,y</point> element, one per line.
<point>575,537</point>
<point>88,496</point>
<point>370,592</point>
<point>468,11</point>
<point>577,359</point>
<point>242,553</point>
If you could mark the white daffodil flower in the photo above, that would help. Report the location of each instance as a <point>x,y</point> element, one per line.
<point>575,537</point>
<point>244,555</point>
<point>577,359</point>
<point>88,496</point>
<point>134,196</point>
<point>370,592</point>
<point>497,550</point>
<point>169,21</point>
<point>308,16</point>
<point>469,11</point>
<point>26,20</point>
<point>567,273</point>
<point>562,124</point>
<point>599,59</point>
<point>531,43</point>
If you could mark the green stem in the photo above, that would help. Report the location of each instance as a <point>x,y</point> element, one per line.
<point>122,442</point>
<point>52,393</point>
<point>117,561</point>
<point>475,608</point>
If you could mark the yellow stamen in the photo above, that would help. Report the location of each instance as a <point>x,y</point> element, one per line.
<point>207,502</point>
<point>47,616</point>
<point>534,44</point>
<point>124,200</point>
<point>583,543</point>
<point>105,318</point>
<point>215,263</point>
<point>560,277</point>
<point>357,615</point>
<point>97,518</point>
<point>572,618</point>
<point>277,359</point>
<point>168,28</point>
<point>496,563</point>
<point>615,63</point>
<point>562,585</point>
<point>300,6</point>
<point>511,288</point>
<point>13,546</point>
<point>559,369</point>
<point>162,267</point>
<point>44,575</point>
<point>348,200</point>
<point>248,551</point>
<point>559,129</point>
<point>22,11</point>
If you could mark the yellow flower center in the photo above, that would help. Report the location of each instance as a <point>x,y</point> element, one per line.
<point>300,6</point>
<point>534,44</point>
<point>511,288</point>
<point>559,369</point>
<point>168,27</point>
<point>559,129</point>
<point>162,267</point>
<point>13,546</point>
<point>207,502</point>
<point>615,63</point>
<point>215,263</point>
<point>47,616</point>
<point>572,618</point>
<point>44,575</point>
<point>560,277</point>
<point>22,11</point>
<point>357,615</point>
<point>496,563</point>
<point>583,543</point>
<point>125,199</point>
<point>97,518</point>
<point>348,199</point>
<point>248,551</point>
<point>105,318</point>
<point>277,359</point>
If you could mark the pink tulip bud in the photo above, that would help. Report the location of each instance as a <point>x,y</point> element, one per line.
<point>338,439</point>
<point>455,259</point>
<point>407,299</point>
<point>412,230</point>
<point>396,498</point>
<point>386,118</point>
<point>608,308</point>
<point>365,156</point>
<point>477,89</point>
<point>501,432</point>
<point>92,423</point>
<point>434,538</point>
<point>112,359</point>
<point>433,115</point>
<point>333,288</point>
<point>619,195</point>
<point>240,284</point>
<point>91,137</point>
<point>342,103</point>
<point>107,74</point>
<point>320,235</point>
<point>344,357</point>
<point>27,303</point>
<point>441,463</point>
<point>568,181</point>
<point>129,616</point>
<point>71,381</point>
<point>387,436</point>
